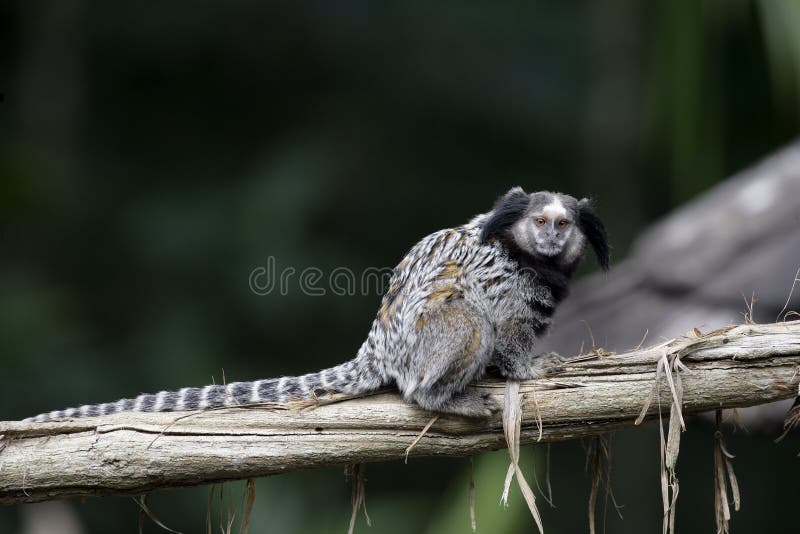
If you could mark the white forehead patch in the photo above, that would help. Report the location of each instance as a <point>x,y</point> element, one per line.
<point>555,209</point>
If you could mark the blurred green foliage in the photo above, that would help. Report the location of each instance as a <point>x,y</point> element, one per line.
<point>152,154</point>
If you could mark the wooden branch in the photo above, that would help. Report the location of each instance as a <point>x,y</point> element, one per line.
<point>134,453</point>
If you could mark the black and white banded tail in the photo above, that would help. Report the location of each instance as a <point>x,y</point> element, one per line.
<point>352,377</point>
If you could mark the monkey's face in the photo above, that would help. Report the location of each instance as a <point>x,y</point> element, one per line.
<point>549,227</point>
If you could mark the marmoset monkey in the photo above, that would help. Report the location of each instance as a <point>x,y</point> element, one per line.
<point>461,300</point>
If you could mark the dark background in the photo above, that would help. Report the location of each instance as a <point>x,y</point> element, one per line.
<point>152,154</point>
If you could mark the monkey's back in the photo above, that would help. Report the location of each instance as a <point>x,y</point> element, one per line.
<point>448,267</point>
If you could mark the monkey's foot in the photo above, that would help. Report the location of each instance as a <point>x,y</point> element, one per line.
<point>468,403</point>
<point>536,366</point>
<point>546,364</point>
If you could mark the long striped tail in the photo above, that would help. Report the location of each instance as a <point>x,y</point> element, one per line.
<point>359,375</point>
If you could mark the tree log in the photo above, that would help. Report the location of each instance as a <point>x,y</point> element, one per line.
<point>135,453</point>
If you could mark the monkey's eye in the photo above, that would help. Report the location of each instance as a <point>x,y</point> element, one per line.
<point>563,223</point>
<point>539,221</point>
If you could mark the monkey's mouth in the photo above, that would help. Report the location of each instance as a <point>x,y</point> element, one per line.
<point>548,249</point>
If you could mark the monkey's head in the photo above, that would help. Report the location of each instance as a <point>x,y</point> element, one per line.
<point>548,226</point>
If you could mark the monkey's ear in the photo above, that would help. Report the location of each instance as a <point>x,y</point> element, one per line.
<point>595,232</point>
<point>507,210</point>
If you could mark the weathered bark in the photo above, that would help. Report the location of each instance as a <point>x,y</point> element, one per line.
<point>133,453</point>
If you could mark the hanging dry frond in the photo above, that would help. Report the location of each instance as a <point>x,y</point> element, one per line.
<point>359,497</point>
<point>549,495</point>
<point>791,420</point>
<point>598,459</point>
<point>472,522</point>
<point>142,502</point>
<point>250,492</point>
<point>512,420</point>
<point>208,507</point>
<point>669,445</point>
<point>723,477</point>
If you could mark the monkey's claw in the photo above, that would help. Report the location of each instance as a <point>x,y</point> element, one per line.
<point>546,364</point>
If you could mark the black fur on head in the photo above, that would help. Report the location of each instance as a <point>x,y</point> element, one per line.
<point>507,210</point>
<point>594,231</point>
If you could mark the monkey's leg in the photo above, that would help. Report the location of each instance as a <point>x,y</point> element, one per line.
<point>453,350</point>
<point>514,356</point>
